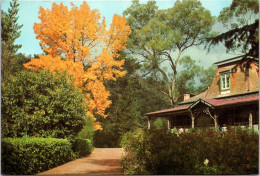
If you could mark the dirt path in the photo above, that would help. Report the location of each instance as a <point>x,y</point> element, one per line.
<point>102,161</point>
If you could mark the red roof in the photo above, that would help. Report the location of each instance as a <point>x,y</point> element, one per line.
<point>179,108</point>
<point>213,102</point>
<point>222,102</point>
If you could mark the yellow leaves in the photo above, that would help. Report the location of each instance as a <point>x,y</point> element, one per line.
<point>98,99</point>
<point>74,69</point>
<point>80,36</point>
<point>118,34</point>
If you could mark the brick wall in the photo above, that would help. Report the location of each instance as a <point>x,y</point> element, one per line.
<point>239,84</point>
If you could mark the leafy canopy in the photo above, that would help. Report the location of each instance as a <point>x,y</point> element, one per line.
<point>132,97</point>
<point>160,36</point>
<point>41,104</point>
<point>78,35</point>
<point>193,78</point>
<point>242,21</point>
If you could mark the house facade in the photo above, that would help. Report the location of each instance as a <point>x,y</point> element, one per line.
<point>231,100</point>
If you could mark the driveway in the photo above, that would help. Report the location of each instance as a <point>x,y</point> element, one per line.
<point>102,161</point>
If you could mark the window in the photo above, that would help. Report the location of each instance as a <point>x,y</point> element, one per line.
<point>225,81</point>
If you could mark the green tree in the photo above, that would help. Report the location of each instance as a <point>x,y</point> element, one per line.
<point>206,76</point>
<point>161,36</point>
<point>242,21</point>
<point>132,97</point>
<point>193,78</point>
<point>9,33</point>
<point>88,129</point>
<point>41,104</point>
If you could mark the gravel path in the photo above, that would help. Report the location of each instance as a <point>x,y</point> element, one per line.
<point>102,161</point>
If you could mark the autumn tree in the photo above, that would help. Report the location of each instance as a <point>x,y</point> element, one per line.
<point>9,33</point>
<point>77,41</point>
<point>161,36</point>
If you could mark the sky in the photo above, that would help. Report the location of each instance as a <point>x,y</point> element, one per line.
<point>28,15</point>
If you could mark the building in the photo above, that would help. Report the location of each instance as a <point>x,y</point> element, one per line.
<point>231,100</point>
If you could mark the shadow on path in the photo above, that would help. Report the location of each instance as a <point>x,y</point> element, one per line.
<point>102,161</point>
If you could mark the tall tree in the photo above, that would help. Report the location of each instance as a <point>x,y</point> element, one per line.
<point>161,36</point>
<point>77,38</point>
<point>9,33</point>
<point>132,97</point>
<point>242,21</point>
<point>193,78</point>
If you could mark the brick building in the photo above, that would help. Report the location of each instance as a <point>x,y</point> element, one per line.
<point>231,100</point>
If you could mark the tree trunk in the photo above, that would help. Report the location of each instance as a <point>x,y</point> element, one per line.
<point>216,121</point>
<point>172,88</point>
<point>169,127</point>
<point>250,120</point>
<point>192,119</point>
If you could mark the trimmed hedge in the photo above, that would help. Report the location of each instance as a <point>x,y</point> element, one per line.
<point>24,156</point>
<point>82,147</point>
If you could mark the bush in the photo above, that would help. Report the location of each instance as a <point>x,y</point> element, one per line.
<point>82,147</point>
<point>161,152</point>
<point>88,129</point>
<point>160,123</point>
<point>21,156</point>
<point>43,104</point>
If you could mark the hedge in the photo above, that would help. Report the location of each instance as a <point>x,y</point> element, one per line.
<point>159,152</point>
<point>82,147</point>
<point>24,156</point>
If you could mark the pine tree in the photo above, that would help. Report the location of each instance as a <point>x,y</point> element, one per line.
<point>9,33</point>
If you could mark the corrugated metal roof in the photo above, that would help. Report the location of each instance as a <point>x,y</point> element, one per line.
<point>221,102</point>
<point>179,108</point>
<point>213,102</point>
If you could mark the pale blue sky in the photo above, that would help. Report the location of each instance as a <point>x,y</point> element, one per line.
<point>28,15</point>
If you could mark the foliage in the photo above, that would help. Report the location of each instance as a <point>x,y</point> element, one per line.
<point>9,33</point>
<point>133,96</point>
<point>157,151</point>
<point>160,123</point>
<point>206,76</point>
<point>81,147</point>
<point>43,104</point>
<point>135,145</point>
<point>157,34</point>
<point>88,129</point>
<point>29,156</point>
<point>242,21</point>
<point>20,61</point>
<point>77,35</point>
<point>193,78</point>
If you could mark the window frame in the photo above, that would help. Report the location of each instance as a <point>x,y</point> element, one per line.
<point>225,75</point>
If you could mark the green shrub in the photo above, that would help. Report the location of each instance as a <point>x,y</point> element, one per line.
<point>88,129</point>
<point>160,123</point>
<point>161,152</point>
<point>21,156</point>
<point>82,147</point>
<point>43,104</point>
<point>136,146</point>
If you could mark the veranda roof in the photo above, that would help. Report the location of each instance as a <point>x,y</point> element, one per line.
<point>213,103</point>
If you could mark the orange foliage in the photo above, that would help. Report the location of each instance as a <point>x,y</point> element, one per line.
<point>79,36</point>
<point>73,69</point>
